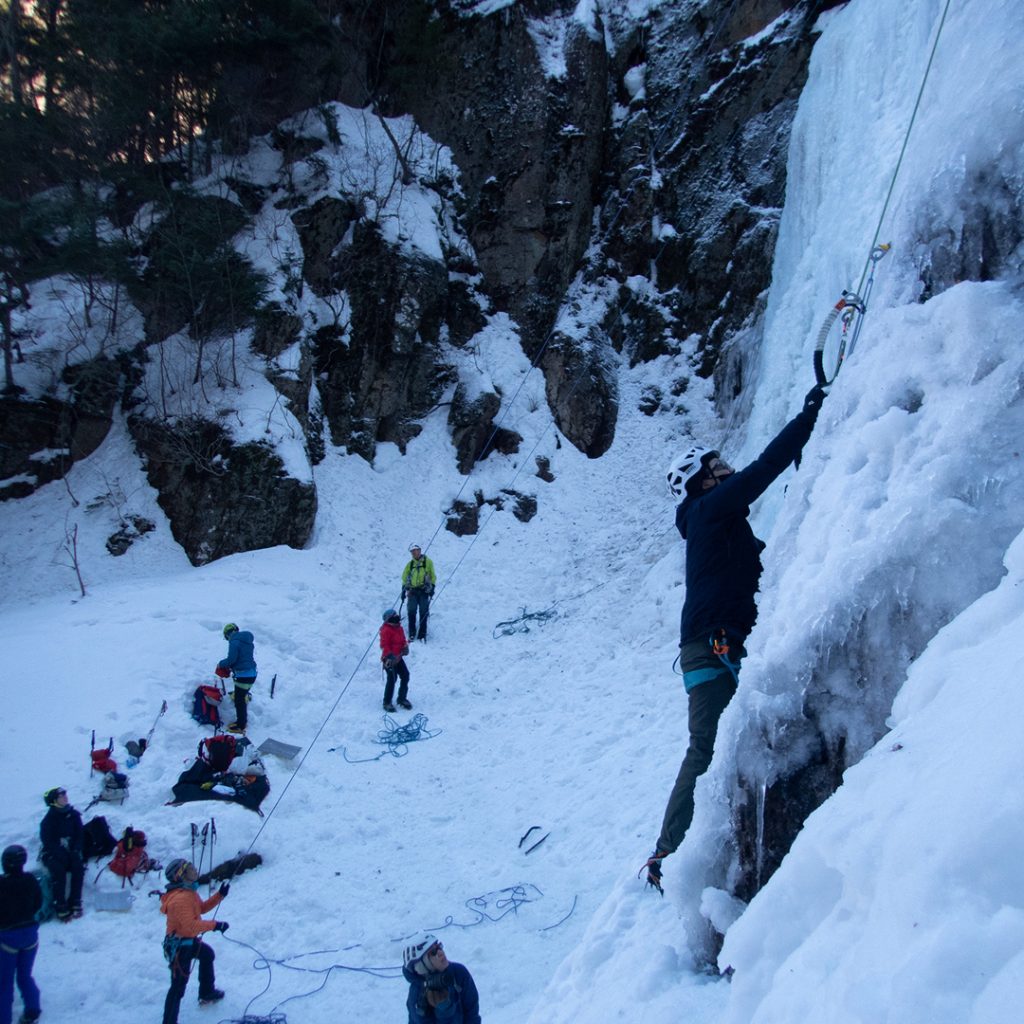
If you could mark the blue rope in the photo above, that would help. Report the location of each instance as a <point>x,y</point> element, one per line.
<point>396,738</point>
<point>264,963</point>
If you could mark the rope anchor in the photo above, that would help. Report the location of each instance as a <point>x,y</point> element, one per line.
<point>850,310</point>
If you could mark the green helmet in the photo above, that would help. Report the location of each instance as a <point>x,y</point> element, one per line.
<point>229,629</point>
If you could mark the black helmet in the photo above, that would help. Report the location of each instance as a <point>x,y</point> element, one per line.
<point>14,859</point>
<point>175,871</point>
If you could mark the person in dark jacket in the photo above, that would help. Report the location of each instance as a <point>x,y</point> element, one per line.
<point>61,835</point>
<point>439,990</point>
<point>20,900</point>
<point>240,662</point>
<point>393,649</point>
<point>723,569</point>
<point>418,582</point>
<point>183,942</point>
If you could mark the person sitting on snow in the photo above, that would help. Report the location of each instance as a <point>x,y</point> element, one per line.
<point>61,834</point>
<point>393,648</point>
<point>241,663</point>
<point>723,569</point>
<point>439,990</point>
<point>184,940</point>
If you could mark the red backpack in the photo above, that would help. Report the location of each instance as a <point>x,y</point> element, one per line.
<point>130,857</point>
<point>218,751</point>
<point>206,705</point>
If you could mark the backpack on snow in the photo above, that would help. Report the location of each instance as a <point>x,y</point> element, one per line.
<point>218,751</point>
<point>131,856</point>
<point>115,788</point>
<point>206,705</point>
<point>97,839</point>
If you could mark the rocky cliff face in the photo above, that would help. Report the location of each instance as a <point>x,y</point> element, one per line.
<point>587,154</point>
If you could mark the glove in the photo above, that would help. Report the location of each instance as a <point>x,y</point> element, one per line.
<point>814,398</point>
<point>429,588</point>
<point>405,650</point>
<point>389,661</point>
<point>405,593</point>
<point>206,785</point>
<point>220,926</point>
<point>222,672</point>
<point>224,889</point>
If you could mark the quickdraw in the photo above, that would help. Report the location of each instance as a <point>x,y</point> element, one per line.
<point>850,311</point>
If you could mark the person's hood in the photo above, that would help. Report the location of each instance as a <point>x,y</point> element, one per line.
<point>684,510</point>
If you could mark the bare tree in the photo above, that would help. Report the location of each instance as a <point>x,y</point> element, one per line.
<point>70,549</point>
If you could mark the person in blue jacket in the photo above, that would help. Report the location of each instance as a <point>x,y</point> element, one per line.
<point>20,900</point>
<point>439,990</point>
<point>61,834</point>
<point>723,569</point>
<point>240,663</point>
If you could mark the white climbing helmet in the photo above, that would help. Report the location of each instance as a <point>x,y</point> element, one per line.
<point>686,465</point>
<point>415,547</point>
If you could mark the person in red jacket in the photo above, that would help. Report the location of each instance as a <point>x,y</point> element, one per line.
<point>393,648</point>
<point>185,927</point>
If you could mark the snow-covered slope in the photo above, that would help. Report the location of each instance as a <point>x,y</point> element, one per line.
<point>899,900</point>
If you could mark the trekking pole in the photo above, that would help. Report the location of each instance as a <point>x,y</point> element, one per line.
<point>195,831</point>
<point>203,833</point>
<point>213,843</point>
<point>273,683</point>
<point>163,711</point>
<point>92,747</point>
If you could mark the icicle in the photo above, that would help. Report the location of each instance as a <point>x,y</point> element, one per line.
<point>762,791</point>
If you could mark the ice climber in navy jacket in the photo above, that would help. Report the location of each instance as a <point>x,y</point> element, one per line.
<point>439,990</point>
<point>723,568</point>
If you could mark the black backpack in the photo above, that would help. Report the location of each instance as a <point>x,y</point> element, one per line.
<point>97,840</point>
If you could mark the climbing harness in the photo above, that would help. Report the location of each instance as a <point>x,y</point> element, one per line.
<point>396,738</point>
<point>719,641</point>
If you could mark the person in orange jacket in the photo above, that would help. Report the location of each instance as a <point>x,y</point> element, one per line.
<point>393,648</point>
<point>185,927</point>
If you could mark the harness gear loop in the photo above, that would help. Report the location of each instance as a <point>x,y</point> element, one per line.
<point>719,641</point>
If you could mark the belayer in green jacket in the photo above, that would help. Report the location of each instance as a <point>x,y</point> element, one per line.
<point>418,582</point>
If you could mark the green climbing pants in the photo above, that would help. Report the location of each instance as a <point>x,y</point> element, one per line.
<point>707,700</point>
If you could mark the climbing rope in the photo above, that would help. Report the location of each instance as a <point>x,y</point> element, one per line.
<point>396,738</point>
<point>853,305</point>
<point>491,906</point>
<point>521,624</point>
<point>580,376</point>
